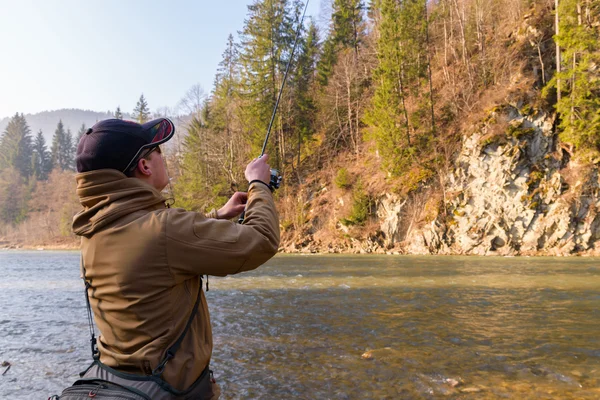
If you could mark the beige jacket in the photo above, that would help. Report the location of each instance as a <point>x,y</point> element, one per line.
<point>143,261</point>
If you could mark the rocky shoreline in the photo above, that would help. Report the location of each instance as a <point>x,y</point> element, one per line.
<point>514,190</point>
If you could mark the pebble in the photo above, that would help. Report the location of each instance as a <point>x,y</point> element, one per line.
<point>452,382</point>
<point>470,390</point>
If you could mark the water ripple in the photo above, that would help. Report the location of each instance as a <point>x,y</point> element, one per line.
<point>343,327</point>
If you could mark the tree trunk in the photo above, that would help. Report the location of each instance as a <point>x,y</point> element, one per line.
<point>556,24</point>
<point>427,49</point>
<point>541,60</point>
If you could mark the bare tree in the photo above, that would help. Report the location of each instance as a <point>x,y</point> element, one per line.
<point>192,101</point>
<point>163,112</point>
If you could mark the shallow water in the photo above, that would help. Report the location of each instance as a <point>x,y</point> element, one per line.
<point>343,327</point>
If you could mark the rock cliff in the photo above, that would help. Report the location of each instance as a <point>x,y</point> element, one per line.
<point>514,190</point>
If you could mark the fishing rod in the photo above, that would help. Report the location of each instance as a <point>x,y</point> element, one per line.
<point>275,177</point>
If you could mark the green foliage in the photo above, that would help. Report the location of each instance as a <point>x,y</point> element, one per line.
<point>208,166</point>
<point>400,72</point>
<point>287,225</point>
<point>15,146</point>
<point>415,176</point>
<point>62,153</point>
<point>535,177</point>
<point>14,195</point>
<point>65,222</point>
<point>266,40</point>
<point>302,119</point>
<point>348,22</point>
<point>42,164</point>
<point>226,82</point>
<point>347,31</point>
<point>118,113</point>
<point>361,206</point>
<point>518,130</point>
<point>201,185</point>
<point>342,179</point>
<point>579,104</point>
<point>80,133</point>
<point>499,139</point>
<point>326,62</point>
<point>141,112</point>
<point>191,187</point>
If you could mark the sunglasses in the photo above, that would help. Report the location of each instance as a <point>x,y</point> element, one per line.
<point>152,150</point>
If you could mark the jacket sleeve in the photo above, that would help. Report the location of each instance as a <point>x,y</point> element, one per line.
<point>197,245</point>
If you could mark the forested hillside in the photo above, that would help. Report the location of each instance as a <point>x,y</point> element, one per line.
<point>46,121</point>
<point>371,132</point>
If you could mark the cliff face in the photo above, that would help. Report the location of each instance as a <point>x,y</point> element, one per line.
<point>511,193</point>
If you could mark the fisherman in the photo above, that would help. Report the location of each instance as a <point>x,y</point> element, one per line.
<point>143,261</point>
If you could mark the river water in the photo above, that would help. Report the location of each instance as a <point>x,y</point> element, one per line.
<point>342,327</point>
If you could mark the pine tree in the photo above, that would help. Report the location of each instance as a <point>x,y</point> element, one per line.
<point>266,44</point>
<point>347,31</point>
<point>69,149</point>
<point>42,163</point>
<point>305,107</point>
<point>387,115</point>
<point>118,113</point>
<point>14,196</point>
<point>348,24</point>
<point>226,82</point>
<point>62,148</point>
<point>141,112</point>
<point>16,147</point>
<point>82,130</point>
<point>401,71</point>
<point>222,107</point>
<point>191,190</point>
<point>579,98</point>
<point>326,62</point>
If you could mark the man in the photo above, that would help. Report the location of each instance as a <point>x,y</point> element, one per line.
<point>143,261</point>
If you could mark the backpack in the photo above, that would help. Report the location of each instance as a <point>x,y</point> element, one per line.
<point>101,389</point>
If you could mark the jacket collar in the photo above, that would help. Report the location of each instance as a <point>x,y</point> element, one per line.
<point>107,195</point>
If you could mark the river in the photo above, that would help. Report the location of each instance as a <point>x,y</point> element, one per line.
<point>342,327</point>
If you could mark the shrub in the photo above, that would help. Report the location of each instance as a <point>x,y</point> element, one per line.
<point>361,207</point>
<point>342,179</point>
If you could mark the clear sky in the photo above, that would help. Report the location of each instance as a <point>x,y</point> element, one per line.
<point>100,54</point>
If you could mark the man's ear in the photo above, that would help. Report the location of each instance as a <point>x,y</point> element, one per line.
<point>143,167</point>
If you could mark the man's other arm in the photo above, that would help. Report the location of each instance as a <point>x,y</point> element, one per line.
<point>197,245</point>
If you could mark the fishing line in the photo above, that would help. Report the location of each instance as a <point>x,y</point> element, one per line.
<point>287,70</point>
<point>275,178</point>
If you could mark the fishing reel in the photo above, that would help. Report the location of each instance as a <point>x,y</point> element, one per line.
<point>273,184</point>
<point>275,180</point>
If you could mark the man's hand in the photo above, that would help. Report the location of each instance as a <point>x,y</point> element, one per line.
<point>258,169</point>
<point>234,206</point>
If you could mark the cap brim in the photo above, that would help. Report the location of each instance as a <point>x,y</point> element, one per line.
<point>157,132</point>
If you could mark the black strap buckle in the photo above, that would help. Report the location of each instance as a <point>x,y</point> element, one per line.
<point>161,367</point>
<point>95,351</point>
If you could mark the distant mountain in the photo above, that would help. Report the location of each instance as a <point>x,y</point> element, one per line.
<point>72,118</point>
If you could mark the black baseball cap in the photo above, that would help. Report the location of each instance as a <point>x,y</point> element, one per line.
<point>117,144</point>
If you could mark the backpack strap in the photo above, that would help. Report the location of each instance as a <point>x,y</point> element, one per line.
<point>93,342</point>
<point>173,349</point>
<point>170,351</point>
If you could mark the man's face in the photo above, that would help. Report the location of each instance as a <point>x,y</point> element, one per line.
<point>160,178</point>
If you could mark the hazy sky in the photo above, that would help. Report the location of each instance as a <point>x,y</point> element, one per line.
<point>100,54</point>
